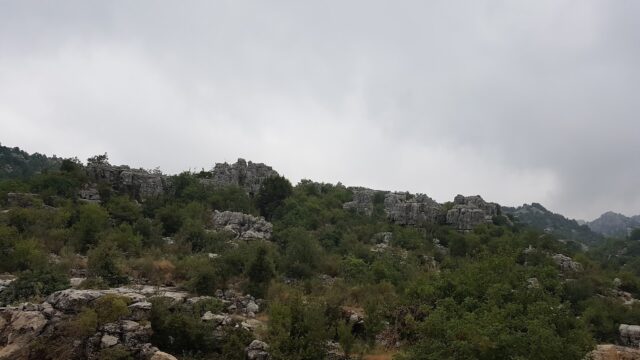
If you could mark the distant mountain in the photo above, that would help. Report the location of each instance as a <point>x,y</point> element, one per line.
<point>539,217</point>
<point>18,164</point>
<point>614,224</point>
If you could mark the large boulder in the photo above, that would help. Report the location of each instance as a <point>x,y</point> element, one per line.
<point>566,263</point>
<point>629,335</point>
<point>244,226</point>
<point>248,176</point>
<point>72,300</point>
<point>17,330</point>
<point>257,350</point>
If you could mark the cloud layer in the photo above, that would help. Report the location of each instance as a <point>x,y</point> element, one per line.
<point>516,102</point>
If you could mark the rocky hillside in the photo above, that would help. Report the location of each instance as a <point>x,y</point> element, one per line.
<point>538,216</point>
<point>105,262</point>
<point>614,224</point>
<point>18,164</point>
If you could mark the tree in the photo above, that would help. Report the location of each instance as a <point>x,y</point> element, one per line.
<point>98,160</point>
<point>273,192</point>
<point>635,234</point>
<point>260,273</point>
<point>92,219</point>
<point>105,262</point>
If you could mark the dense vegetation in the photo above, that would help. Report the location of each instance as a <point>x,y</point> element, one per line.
<point>434,293</point>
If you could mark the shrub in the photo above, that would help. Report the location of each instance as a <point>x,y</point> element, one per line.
<point>111,308</point>
<point>105,262</point>
<point>37,283</point>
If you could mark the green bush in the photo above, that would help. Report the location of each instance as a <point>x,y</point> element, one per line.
<point>111,308</point>
<point>105,261</point>
<point>35,284</point>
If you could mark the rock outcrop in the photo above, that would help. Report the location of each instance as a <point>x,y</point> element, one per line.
<point>244,226</point>
<point>23,324</point>
<point>629,335</point>
<point>408,209</point>
<point>138,183</point>
<point>257,350</point>
<point>362,202</point>
<point>566,263</point>
<point>471,211</point>
<point>248,176</point>
<point>419,209</point>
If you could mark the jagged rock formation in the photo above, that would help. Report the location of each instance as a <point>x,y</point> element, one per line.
<point>248,176</point>
<point>470,211</point>
<point>362,202</point>
<point>244,226</point>
<point>614,224</point>
<point>407,209</point>
<point>539,217</point>
<point>414,210</point>
<point>138,183</point>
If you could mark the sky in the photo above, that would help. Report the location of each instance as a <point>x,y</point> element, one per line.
<point>518,101</point>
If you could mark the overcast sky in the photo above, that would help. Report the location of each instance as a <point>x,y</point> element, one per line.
<point>518,101</point>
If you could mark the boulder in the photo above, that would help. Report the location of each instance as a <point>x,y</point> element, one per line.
<point>108,341</point>
<point>629,335</point>
<point>566,263</point>
<point>159,355</point>
<point>72,300</point>
<point>244,226</point>
<point>257,350</point>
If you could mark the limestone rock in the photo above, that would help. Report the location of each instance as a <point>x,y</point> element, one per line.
<point>252,307</point>
<point>362,202</point>
<point>108,341</point>
<point>72,300</point>
<point>138,183</point>
<point>629,334</point>
<point>470,211</point>
<point>257,350</point>
<point>244,226</point>
<point>248,176</point>
<point>408,209</point>
<point>159,355</point>
<point>566,263</point>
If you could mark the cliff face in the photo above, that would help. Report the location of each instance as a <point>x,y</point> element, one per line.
<point>248,176</point>
<point>138,183</point>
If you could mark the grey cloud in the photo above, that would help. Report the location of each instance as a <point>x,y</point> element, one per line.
<point>517,102</point>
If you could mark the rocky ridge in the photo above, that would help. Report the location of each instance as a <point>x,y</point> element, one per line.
<point>415,210</point>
